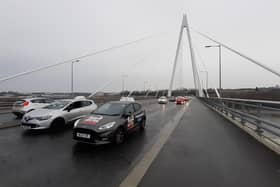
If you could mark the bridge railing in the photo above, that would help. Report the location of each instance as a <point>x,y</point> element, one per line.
<point>263,115</point>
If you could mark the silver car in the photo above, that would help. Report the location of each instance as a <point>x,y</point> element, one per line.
<point>57,114</point>
<point>163,100</point>
<point>23,106</point>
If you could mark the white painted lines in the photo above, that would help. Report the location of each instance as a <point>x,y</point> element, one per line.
<point>137,173</point>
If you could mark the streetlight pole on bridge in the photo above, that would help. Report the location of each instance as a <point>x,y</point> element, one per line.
<point>220,63</point>
<point>72,76</point>
<point>206,72</point>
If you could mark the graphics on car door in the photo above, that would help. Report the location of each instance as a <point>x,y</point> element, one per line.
<point>130,118</point>
<point>139,114</point>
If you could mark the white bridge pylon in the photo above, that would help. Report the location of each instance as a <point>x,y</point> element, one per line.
<point>197,84</point>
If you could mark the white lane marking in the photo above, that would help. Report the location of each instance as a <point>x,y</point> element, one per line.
<point>137,173</point>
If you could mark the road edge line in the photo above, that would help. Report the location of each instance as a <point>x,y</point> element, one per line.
<point>137,173</point>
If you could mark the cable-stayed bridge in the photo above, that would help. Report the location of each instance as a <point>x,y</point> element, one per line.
<point>211,140</point>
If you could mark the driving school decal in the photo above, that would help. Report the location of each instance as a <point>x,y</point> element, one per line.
<point>130,122</point>
<point>92,120</point>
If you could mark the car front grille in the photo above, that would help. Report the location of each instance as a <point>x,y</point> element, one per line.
<point>30,125</point>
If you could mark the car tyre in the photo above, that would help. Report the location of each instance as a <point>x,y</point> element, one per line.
<point>119,136</point>
<point>143,125</point>
<point>59,122</point>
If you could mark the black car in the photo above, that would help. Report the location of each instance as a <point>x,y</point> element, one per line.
<point>111,122</point>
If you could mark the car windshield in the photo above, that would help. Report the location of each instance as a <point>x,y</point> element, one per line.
<point>57,105</point>
<point>110,109</point>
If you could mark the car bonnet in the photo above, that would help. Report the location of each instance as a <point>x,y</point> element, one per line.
<point>95,121</point>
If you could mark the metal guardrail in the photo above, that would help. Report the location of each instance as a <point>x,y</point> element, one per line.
<point>249,111</point>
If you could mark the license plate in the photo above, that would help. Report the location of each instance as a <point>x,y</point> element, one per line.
<point>83,135</point>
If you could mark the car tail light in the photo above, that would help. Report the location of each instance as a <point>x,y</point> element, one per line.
<point>26,103</point>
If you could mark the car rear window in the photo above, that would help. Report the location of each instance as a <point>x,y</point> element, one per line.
<point>19,102</point>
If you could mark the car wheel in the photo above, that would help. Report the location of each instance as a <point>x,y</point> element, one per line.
<point>143,125</point>
<point>57,123</point>
<point>119,136</point>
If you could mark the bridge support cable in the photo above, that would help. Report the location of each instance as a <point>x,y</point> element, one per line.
<point>75,59</point>
<point>239,53</point>
<point>193,60</point>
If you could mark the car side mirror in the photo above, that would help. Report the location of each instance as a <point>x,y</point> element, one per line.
<point>127,114</point>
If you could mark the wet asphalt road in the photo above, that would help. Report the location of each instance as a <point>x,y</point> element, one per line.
<point>207,150</point>
<point>48,158</point>
<point>203,150</point>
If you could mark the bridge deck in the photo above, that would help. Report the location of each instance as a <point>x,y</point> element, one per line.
<point>207,150</point>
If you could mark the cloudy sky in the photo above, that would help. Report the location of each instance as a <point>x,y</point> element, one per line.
<point>37,33</point>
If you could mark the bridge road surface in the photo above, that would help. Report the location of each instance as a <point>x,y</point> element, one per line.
<point>47,158</point>
<point>203,150</point>
<point>207,150</point>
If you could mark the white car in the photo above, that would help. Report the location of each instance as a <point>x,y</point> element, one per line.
<point>58,114</point>
<point>131,99</point>
<point>163,100</point>
<point>23,106</point>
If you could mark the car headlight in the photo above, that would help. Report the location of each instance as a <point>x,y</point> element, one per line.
<point>76,122</point>
<point>41,118</point>
<point>107,126</point>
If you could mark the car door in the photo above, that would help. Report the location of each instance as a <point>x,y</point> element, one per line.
<point>131,117</point>
<point>87,107</point>
<point>74,111</point>
<point>139,114</point>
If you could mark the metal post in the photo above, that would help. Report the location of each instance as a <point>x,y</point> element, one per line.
<point>259,123</point>
<point>242,110</point>
<point>123,82</point>
<point>220,68</point>
<point>206,72</point>
<point>220,63</point>
<point>72,76</point>
<point>72,89</point>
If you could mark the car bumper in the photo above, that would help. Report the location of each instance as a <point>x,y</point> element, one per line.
<point>95,137</point>
<point>35,124</point>
<point>180,102</point>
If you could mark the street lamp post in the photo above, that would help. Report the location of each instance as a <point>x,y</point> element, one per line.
<point>123,81</point>
<point>145,82</point>
<point>72,76</point>
<point>220,63</point>
<point>206,72</point>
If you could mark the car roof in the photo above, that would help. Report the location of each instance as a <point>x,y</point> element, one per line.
<point>34,98</point>
<point>122,102</point>
<point>72,100</point>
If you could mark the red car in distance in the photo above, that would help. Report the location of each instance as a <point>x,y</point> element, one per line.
<point>180,100</point>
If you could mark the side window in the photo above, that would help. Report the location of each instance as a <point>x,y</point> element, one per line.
<point>37,101</point>
<point>129,109</point>
<point>85,103</point>
<point>137,107</point>
<point>77,104</point>
<point>48,101</point>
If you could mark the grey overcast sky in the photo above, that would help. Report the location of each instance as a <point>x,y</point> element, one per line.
<point>36,33</point>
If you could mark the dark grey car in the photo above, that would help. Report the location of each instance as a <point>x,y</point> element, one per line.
<point>110,123</point>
